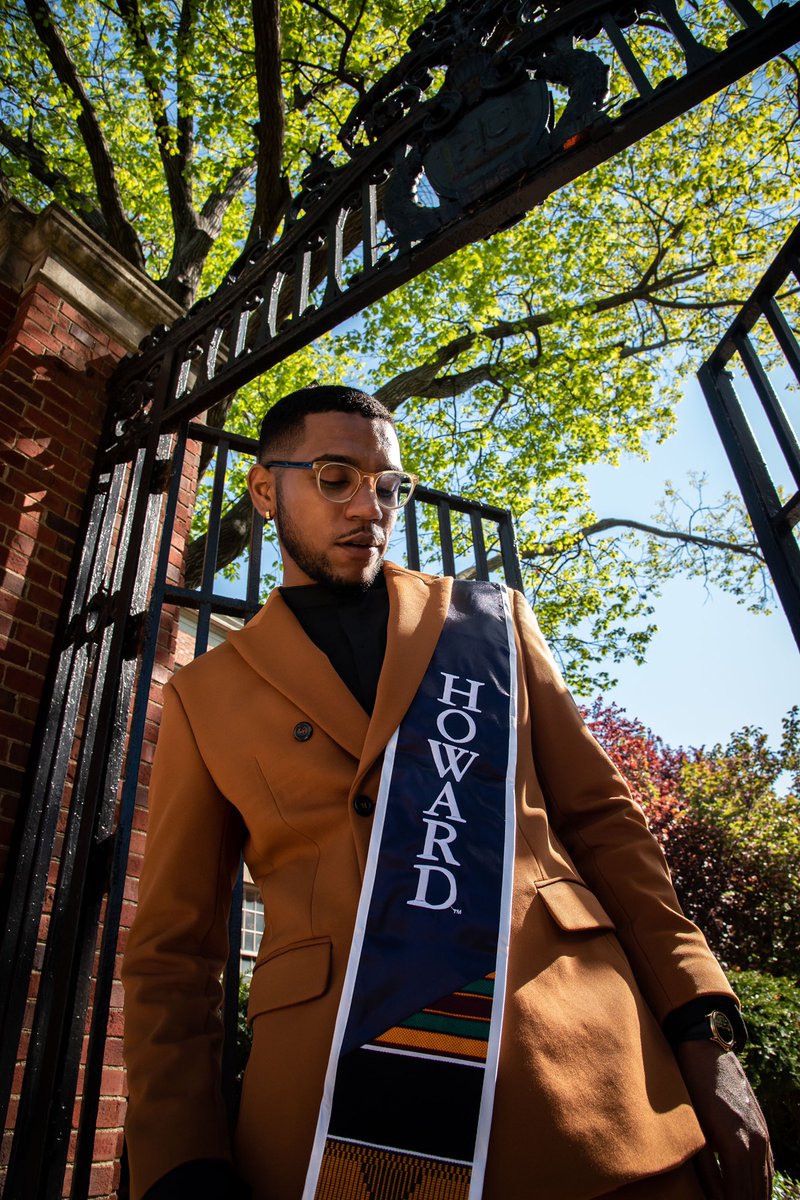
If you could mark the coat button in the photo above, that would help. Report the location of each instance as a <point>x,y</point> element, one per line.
<point>303,731</point>
<point>364,806</point>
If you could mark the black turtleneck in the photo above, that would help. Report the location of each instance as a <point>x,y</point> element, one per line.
<point>350,627</point>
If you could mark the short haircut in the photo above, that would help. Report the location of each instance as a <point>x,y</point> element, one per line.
<point>283,423</point>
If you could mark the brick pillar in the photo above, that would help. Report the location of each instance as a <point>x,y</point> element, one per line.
<point>69,309</point>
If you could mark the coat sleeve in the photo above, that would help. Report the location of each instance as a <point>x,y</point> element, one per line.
<point>175,955</point>
<point>604,831</point>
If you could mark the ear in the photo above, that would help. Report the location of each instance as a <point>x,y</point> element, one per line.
<point>261,486</point>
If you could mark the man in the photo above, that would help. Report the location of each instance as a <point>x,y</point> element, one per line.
<point>612,1073</point>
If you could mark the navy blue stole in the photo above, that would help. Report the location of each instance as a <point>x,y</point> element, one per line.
<point>407,1104</point>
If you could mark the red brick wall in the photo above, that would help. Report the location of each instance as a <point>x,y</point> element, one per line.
<point>53,369</point>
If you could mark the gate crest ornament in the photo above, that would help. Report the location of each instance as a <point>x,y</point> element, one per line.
<point>490,131</point>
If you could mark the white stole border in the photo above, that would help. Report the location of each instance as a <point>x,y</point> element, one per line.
<point>362,912</point>
<point>504,929</point>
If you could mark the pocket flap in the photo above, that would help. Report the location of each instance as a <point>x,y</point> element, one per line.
<point>290,976</point>
<point>572,906</point>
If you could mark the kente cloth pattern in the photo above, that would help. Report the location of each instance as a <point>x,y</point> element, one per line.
<point>457,1024</point>
<point>354,1172</point>
<point>407,1102</point>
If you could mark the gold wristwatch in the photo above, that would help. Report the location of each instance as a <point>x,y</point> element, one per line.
<point>716,1027</point>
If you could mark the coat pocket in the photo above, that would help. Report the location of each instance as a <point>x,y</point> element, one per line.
<point>290,976</point>
<point>572,906</point>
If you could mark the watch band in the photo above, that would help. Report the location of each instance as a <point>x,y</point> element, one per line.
<point>715,1026</point>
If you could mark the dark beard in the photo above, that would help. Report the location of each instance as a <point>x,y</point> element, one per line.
<point>315,565</point>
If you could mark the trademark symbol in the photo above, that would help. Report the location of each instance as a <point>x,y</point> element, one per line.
<point>457,912</point>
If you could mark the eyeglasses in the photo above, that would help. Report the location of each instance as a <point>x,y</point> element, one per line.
<point>339,482</point>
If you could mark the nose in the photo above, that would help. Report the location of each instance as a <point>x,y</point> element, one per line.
<point>364,504</point>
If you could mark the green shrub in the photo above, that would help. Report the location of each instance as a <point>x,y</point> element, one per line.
<point>785,1188</point>
<point>771,1006</point>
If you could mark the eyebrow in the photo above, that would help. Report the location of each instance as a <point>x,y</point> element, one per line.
<point>350,461</point>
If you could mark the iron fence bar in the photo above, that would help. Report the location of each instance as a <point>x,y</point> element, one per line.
<point>695,54</point>
<point>105,769</point>
<point>745,11</point>
<point>412,533</point>
<point>783,334</point>
<point>40,1110</point>
<point>53,1057</point>
<point>446,537</point>
<point>478,544</point>
<point>784,434</point>
<point>212,545</point>
<point>369,224</point>
<point>238,442</point>
<point>83,582</point>
<point>509,553</point>
<point>491,512</point>
<point>229,606</point>
<point>627,57</point>
<point>101,1003</point>
<point>771,281</point>
<point>763,504</point>
<point>789,515</point>
<point>254,561</point>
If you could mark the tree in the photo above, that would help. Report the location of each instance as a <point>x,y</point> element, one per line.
<point>178,132</point>
<point>728,821</point>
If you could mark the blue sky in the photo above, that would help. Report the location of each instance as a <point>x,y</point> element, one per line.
<point>712,667</point>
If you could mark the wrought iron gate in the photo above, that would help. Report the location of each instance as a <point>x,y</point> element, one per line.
<point>525,91</point>
<point>774,518</point>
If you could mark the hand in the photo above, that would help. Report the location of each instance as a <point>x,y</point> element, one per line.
<point>736,1162</point>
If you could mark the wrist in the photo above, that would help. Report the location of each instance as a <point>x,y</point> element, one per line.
<point>712,1018</point>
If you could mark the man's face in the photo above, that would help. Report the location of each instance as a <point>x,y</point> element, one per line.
<point>342,545</point>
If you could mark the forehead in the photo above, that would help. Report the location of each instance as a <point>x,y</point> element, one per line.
<point>369,443</point>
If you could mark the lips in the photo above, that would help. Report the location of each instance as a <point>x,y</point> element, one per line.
<point>362,541</point>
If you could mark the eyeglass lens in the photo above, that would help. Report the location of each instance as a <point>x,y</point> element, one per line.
<point>340,482</point>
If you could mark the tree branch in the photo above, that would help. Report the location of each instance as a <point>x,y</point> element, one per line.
<point>413,382</point>
<point>183,89</point>
<point>272,188</point>
<point>573,541</point>
<point>218,203</point>
<point>177,178</point>
<point>59,183</point>
<point>679,535</point>
<point>191,251</point>
<point>119,231</point>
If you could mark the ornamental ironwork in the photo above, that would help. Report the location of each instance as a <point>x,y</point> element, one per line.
<point>493,107</point>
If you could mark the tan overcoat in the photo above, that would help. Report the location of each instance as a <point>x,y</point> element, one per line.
<point>588,1093</point>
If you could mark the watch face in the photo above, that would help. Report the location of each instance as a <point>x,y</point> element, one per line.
<point>721,1029</point>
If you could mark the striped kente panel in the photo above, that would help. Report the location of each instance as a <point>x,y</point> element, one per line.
<point>354,1172</point>
<point>457,1026</point>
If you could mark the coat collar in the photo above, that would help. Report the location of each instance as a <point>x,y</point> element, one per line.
<point>274,645</point>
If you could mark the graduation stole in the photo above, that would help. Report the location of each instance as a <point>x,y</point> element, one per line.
<point>407,1102</point>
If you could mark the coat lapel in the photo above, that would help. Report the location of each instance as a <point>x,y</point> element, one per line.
<point>417,609</point>
<point>275,646</point>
